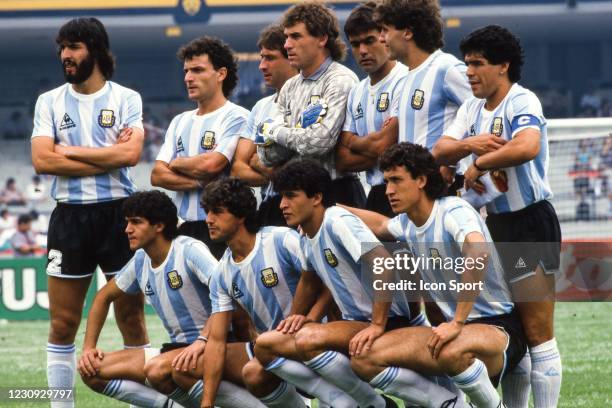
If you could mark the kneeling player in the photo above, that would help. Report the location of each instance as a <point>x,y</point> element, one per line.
<point>259,271</point>
<point>482,337</point>
<point>333,248</point>
<point>173,273</point>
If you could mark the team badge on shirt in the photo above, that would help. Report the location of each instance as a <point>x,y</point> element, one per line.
<point>174,280</point>
<point>330,258</point>
<point>236,292</point>
<point>269,277</point>
<point>383,102</point>
<point>208,140</point>
<point>418,99</point>
<point>497,127</point>
<point>148,289</point>
<point>179,145</point>
<point>106,118</point>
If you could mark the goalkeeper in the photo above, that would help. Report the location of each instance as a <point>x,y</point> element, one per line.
<point>312,104</point>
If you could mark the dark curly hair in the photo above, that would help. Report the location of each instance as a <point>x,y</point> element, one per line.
<point>361,20</point>
<point>497,45</point>
<point>235,195</point>
<point>319,20</point>
<point>421,17</point>
<point>154,206</point>
<point>273,38</point>
<point>92,33</point>
<point>220,56</point>
<point>418,161</point>
<point>307,175</point>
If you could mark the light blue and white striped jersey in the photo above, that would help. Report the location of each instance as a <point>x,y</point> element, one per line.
<point>443,235</point>
<point>190,134</point>
<point>177,289</point>
<point>334,253</point>
<point>94,120</point>
<point>431,96</point>
<point>524,184</point>
<point>264,282</point>
<point>265,108</point>
<point>369,106</point>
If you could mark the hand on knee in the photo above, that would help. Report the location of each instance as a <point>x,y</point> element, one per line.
<point>307,343</point>
<point>94,382</point>
<point>158,372</point>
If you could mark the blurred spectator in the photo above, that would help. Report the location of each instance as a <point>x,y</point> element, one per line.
<point>606,153</point>
<point>11,195</point>
<point>606,108</point>
<point>24,240</point>
<point>16,127</point>
<point>590,101</point>
<point>7,221</point>
<point>36,191</point>
<point>582,159</point>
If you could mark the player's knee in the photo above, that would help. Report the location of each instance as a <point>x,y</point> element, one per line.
<point>363,365</point>
<point>454,360</point>
<point>308,340</point>
<point>265,346</point>
<point>255,377</point>
<point>183,379</point>
<point>63,329</point>
<point>158,371</point>
<point>537,332</point>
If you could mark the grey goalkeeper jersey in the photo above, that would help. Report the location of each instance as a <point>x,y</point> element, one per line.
<point>329,86</point>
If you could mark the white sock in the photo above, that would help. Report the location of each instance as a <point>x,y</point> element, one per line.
<point>126,347</point>
<point>516,384</point>
<point>61,367</point>
<point>307,380</point>
<point>179,396</point>
<point>229,395</point>
<point>336,368</point>
<point>546,372</point>
<point>283,396</point>
<point>476,384</point>
<point>414,388</point>
<point>135,393</point>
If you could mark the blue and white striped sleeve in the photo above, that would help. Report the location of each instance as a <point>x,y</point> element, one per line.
<point>200,261</point>
<point>43,117</point>
<point>456,85</point>
<point>349,121</point>
<point>293,250</point>
<point>459,129</point>
<point>525,112</point>
<point>250,131</point>
<point>220,298</point>
<point>133,111</point>
<point>167,152</point>
<point>354,235</point>
<point>397,97</point>
<point>397,227</point>
<point>234,127</point>
<point>126,278</point>
<point>460,221</point>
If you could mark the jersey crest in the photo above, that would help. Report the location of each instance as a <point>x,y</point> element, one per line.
<point>497,127</point>
<point>269,277</point>
<point>383,102</point>
<point>106,118</point>
<point>418,99</point>
<point>174,280</point>
<point>208,140</point>
<point>330,258</point>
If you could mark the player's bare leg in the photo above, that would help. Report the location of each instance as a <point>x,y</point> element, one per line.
<point>66,298</point>
<point>398,360</point>
<point>120,375</point>
<point>158,371</point>
<point>231,391</point>
<point>538,323</point>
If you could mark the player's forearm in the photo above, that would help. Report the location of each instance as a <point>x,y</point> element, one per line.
<point>214,355</point>
<point>514,153</point>
<point>317,140</point>
<point>380,313</point>
<point>111,157</point>
<point>321,306</point>
<point>244,172</point>
<point>375,222</point>
<point>375,143</point>
<point>347,160</point>
<point>449,151</point>
<point>172,181</point>
<point>305,295</point>
<point>59,165</point>
<point>201,167</point>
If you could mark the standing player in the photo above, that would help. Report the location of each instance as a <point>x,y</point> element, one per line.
<point>436,84</point>
<point>173,272</point>
<point>503,128</point>
<point>481,336</point>
<point>369,105</point>
<point>76,138</point>
<point>332,244</point>
<point>313,104</point>
<point>259,271</point>
<point>276,70</point>
<point>200,143</point>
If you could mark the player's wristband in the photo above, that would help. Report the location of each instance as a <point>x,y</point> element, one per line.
<point>203,338</point>
<point>477,167</point>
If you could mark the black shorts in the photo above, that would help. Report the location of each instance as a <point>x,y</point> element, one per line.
<point>377,201</point>
<point>166,347</point>
<point>269,212</point>
<point>456,186</point>
<point>83,236</point>
<point>199,231</point>
<point>517,342</point>
<point>349,191</point>
<point>526,239</point>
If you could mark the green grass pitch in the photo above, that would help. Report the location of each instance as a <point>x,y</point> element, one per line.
<point>583,330</point>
